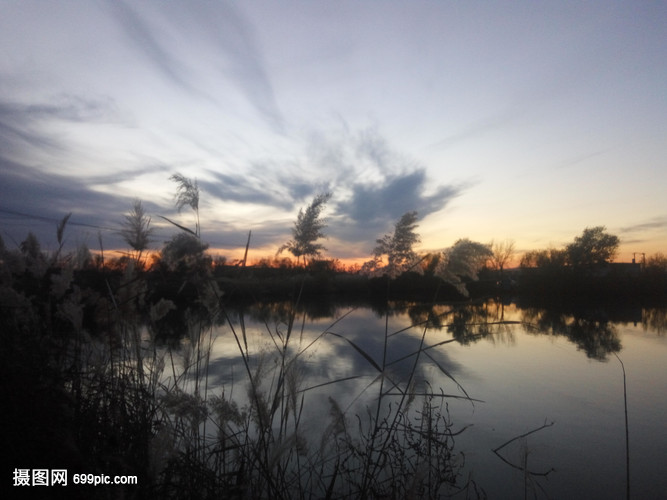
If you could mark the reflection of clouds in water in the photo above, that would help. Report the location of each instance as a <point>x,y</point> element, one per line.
<point>328,364</point>
<point>499,376</point>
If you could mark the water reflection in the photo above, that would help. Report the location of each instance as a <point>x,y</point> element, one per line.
<point>358,377</point>
<point>655,320</point>
<point>354,366</point>
<point>591,332</point>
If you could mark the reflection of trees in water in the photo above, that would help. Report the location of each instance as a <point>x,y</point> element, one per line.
<point>591,332</point>
<point>269,312</point>
<point>285,311</point>
<point>427,315</point>
<point>467,323</point>
<point>596,338</point>
<point>474,322</point>
<point>655,320</point>
<point>547,321</point>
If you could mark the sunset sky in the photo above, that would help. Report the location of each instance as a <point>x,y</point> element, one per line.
<point>518,120</point>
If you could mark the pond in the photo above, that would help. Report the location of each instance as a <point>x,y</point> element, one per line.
<point>539,396</point>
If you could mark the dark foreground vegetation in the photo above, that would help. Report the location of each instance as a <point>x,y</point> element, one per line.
<point>89,385</point>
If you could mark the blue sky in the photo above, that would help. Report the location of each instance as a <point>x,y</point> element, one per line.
<point>494,120</point>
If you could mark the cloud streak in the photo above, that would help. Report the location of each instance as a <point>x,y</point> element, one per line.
<point>145,41</point>
<point>232,51</point>
<point>261,184</point>
<point>33,126</point>
<point>654,224</point>
<point>18,130</point>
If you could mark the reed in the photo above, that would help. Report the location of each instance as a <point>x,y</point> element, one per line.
<point>124,404</point>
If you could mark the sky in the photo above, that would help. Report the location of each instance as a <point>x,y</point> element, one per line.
<point>525,121</point>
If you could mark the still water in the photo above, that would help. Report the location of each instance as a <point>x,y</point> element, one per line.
<point>508,370</point>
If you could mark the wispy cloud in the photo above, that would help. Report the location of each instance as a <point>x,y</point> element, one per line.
<point>653,224</point>
<point>145,41</point>
<point>263,183</point>
<point>24,126</point>
<point>231,50</point>
<point>73,108</point>
<point>19,130</point>
<point>581,158</point>
<point>235,35</point>
<point>479,128</point>
<point>125,176</point>
<point>644,232</point>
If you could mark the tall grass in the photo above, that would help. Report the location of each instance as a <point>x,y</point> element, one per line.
<point>121,403</point>
<point>398,448</point>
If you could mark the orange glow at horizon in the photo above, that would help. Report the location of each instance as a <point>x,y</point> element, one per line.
<point>626,253</point>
